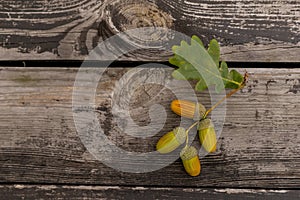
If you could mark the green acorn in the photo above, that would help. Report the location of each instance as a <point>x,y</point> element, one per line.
<point>207,135</point>
<point>170,141</point>
<point>188,109</point>
<point>190,160</point>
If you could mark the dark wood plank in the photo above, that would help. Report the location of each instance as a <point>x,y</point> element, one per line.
<point>264,30</point>
<point>259,145</point>
<point>12,192</point>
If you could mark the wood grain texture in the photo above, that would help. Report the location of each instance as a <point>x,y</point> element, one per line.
<point>259,145</point>
<point>263,30</point>
<point>11,192</point>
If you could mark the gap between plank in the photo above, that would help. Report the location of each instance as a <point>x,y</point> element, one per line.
<point>129,64</point>
<point>143,186</point>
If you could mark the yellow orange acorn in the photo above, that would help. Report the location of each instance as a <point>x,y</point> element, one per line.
<point>190,160</point>
<point>188,109</point>
<point>207,135</point>
<point>170,141</point>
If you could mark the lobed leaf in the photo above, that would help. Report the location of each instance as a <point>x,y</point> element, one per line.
<point>214,51</point>
<point>194,62</point>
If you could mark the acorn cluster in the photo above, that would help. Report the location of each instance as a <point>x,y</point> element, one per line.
<point>173,139</point>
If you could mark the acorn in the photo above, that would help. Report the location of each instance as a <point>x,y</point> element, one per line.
<point>170,141</point>
<point>188,109</point>
<point>207,135</point>
<point>190,160</point>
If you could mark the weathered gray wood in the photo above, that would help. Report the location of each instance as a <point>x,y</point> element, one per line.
<point>12,192</point>
<point>259,145</point>
<point>261,30</point>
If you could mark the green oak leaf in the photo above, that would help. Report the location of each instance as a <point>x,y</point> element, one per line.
<point>197,39</point>
<point>214,51</point>
<point>201,85</point>
<point>186,71</point>
<point>235,76</point>
<point>224,71</point>
<point>194,62</point>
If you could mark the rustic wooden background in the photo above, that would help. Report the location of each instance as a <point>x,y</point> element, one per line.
<point>41,155</point>
<point>249,30</point>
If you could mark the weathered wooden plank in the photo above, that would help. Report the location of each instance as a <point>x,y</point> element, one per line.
<point>262,30</point>
<point>259,145</point>
<point>10,192</point>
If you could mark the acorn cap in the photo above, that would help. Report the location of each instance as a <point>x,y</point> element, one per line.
<point>188,153</point>
<point>199,111</point>
<point>204,124</point>
<point>180,135</point>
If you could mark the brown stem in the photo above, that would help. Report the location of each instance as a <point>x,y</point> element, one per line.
<point>187,133</point>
